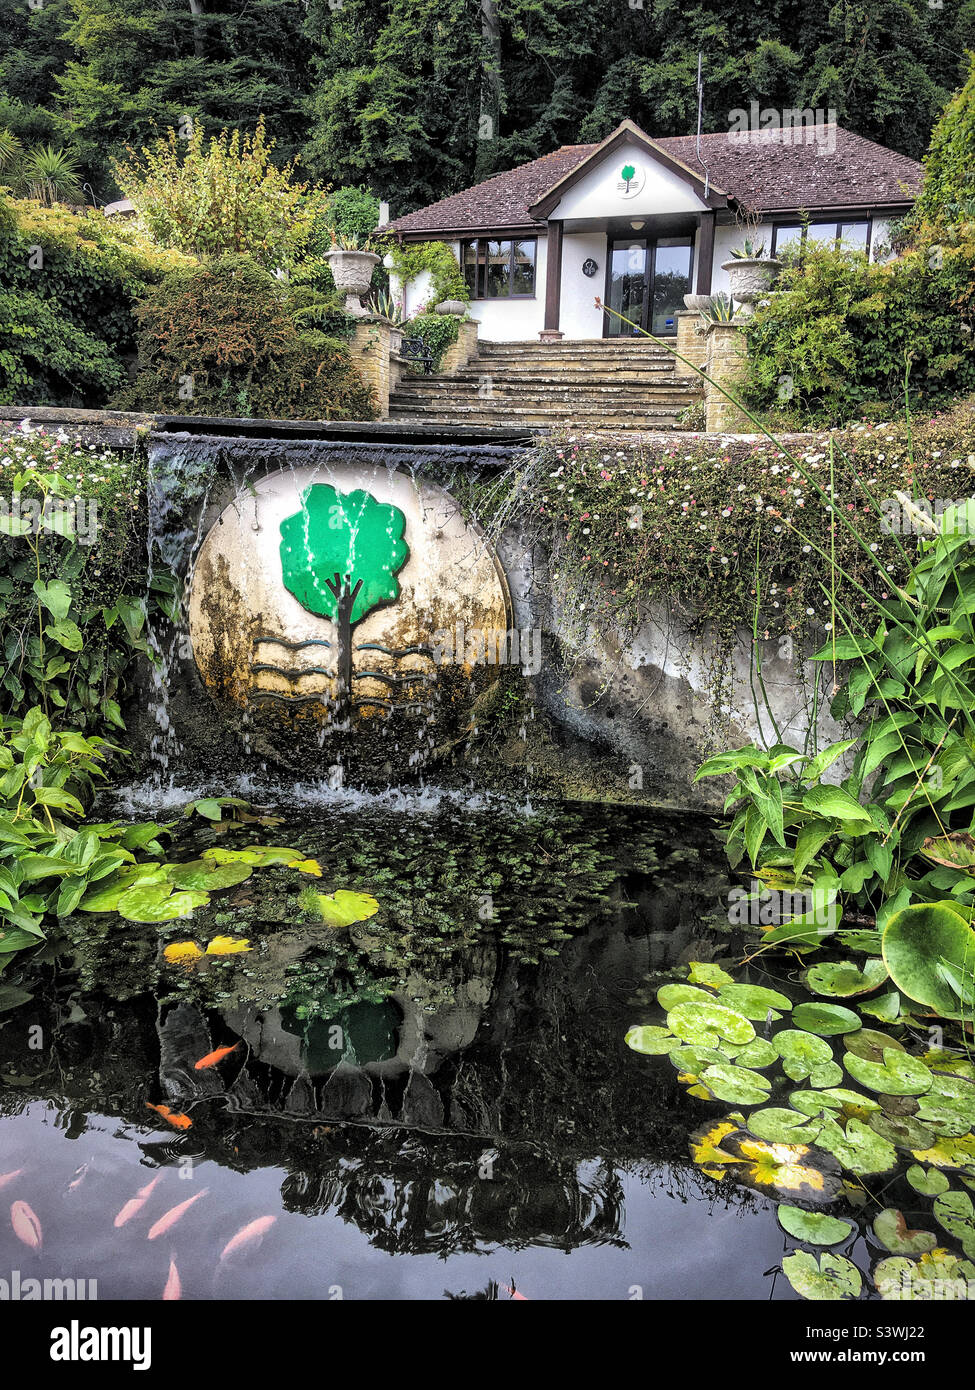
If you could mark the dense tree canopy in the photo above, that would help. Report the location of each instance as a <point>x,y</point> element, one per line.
<point>419,97</point>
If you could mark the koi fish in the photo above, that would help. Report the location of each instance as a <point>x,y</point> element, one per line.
<point>168,1221</point>
<point>135,1204</point>
<point>253,1231</point>
<point>9,1177</point>
<point>79,1177</point>
<point>171,1117</point>
<point>174,1289</point>
<point>513,1292</point>
<point>26,1225</point>
<point>212,1058</point>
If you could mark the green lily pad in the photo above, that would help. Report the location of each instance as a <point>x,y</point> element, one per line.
<point>949,1153</point>
<point>694,1059</point>
<point>942,1120</point>
<point>781,1126</point>
<point>916,942</point>
<point>955,1212</point>
<point>828,1020</point>
<point>154,902</point>
<point>928,1181</point>
<point>758,1053</point>
<point>871,1044</point>
<point>951,1063</point>
<point>886,1007</point>
<point>899,1074</point>
<point>259,856</point>
<point>813,1227</point>
<point>696,1022</point>
<point>736,1085</point>
<point>703,973</point>
<point>858,1148</point>
<point>341,908</point>
<point>825,1075</point>
<point>856,940</point>
<point>754,1001</point>
<point>901,1130</point>
<point>801,1052</point>
<point>830,1278</point>
<point>934,1277</point>
<point>651,1041</point>
<point>105,897</point>
<point>892,1231</point>
<point>843,978</point>
<point>203,873</point>
<point>669,996</point>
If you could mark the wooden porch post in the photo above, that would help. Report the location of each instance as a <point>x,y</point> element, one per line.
<point>553,283</point>
<point>705,254</point>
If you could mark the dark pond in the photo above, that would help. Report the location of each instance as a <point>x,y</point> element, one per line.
<point>434,1102</point>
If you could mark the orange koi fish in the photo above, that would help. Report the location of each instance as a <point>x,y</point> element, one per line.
<point>135,1204</point>
<point>253,1231</point>
<point>80,1175</point>
<point>26,1225</point>
<point>212,1058</point>
<point>9,1177</point>
<point>513,1292</point>
<point>174,1289</point>
<point>168,1221</point>
<point>171,1116</point>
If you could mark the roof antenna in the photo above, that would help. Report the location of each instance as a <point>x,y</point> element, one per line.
<point>700,109</point>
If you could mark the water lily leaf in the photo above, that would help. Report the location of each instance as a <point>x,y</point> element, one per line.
<point>702,973</point>
<point>781,1126</point>
<point>753,1001</point>
<point>155,902</point>
<point>204,873</point>
<point>828,1278</point>
<point>758,1053</point>
<point>705,1146</point>
<point>796,1169</point>
<point>813,1227</point>
<point>858,1148</point>
<point>892,1231</point>
<point>257,855</point>
<point>736,1085</point>
<point>651,1041</point>
<point>182,952</point>
<point>342,908</point>
<point>856,940</point>
<point>899,1074</point>
<point>949,1153</point>
<point>940,1061</point>
<point>694,1059</point>
<point>828,1020</point>
<point>935,1276</point>
<point>704,1022</point>
<point>669,996</point>
<point>901,1130</point>
<point>833,1098</point>
<point>843,978</point>
<point>105,898</point>
<point>801,1052</point>
<point>955,1212</point>
<point>871,1044</point>
<point>828,1074</point>
<point>928,1181</point>
<point>307,866</point>
<point>886,1007</point>
<point>228,946</point>
<point>916,941</point>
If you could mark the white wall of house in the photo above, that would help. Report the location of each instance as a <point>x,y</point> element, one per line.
<point>597,193</point>
<point>580,318</point>
<point>514,320</point>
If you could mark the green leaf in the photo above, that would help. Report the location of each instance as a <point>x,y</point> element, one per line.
<point>843,979</point>
<point>828,1020</point>
<point>801,1053</point>
<point>754,1001</point>
<point>670,995</point>
<point>915,943</point>
<point>706,1023</point>
<point>835,802</point>
<point>779,1125</point>
<point>54,595</point>
<point>703,973</point>
<point>342,908</point>
<point>816,766</point>
<point>899,1074</point>
<point>892,1231</point>
<point>830,1278</point>
<point>859,1148</point>
<point>736,1085</point>
<point>67,633</point>
<point>651,1041</point>
<point>154,902</point>
<point>929,1182</point>
<point>954,1211</point>
<point>203,873</point>
<point>813,1227</point>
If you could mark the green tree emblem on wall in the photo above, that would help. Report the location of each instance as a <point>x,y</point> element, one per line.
<point>340,555</point>
<point>627,174</point>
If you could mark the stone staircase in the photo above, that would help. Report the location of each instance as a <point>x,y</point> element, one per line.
<point>599,384</point>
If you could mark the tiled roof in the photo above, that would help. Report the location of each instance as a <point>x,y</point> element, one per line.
<point>766,171</point>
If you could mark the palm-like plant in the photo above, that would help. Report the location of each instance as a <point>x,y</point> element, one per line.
<point>9,148</point>
<point>51,176</point>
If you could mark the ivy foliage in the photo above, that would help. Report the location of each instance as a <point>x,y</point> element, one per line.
<point>436,257</point>
<point>948,191</point>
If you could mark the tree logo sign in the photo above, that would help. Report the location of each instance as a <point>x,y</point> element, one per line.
<point>340,555</point>
<point>630,180</point>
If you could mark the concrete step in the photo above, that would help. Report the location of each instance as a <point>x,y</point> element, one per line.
<point>475,372</point>
<point>539,415</point>
<point>504,386</point>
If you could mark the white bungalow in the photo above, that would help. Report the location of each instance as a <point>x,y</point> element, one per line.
<point>639,223</point>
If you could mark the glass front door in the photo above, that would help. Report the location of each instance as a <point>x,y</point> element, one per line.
<point>647,284</point>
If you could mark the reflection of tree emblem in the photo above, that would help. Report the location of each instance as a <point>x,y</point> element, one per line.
<point>339,558</point>
<point>627,174</point>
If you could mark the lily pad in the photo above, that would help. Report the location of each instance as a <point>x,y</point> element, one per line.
<point>886,1007</point>
<point>781,1126</point>
<point>693,1059</point>
<point>928,1181</point>
<point>828,1278</point>
<point>949,1062</point>
<point>827,1020</point>
<point>797,1169</point>
<point>736,1085</point>
<point>696,1022</point>
<point>892,1231</point>
<point>703,973</point>
<point>205,874</point>
<point>801,1052</point>
<point>155,902</point>
<point>757,1053</point>
<point>856,940</point>
<point>825,1075</point>
<point>105,897</point>
<point>916,942</point>
<point>955,1212</point>
<point>706,1151</point>
<point>341,908</point>
<point>833,1098</point>
<point>754,1001</point>
<point>651,1041</point>
<point>843,978</point>
<point>935,1276</point>
<point>262,856</point>
<point>899,1074</point>
<point>949,1153</point>
<point>813,1227</point>
<point>871,1044</point>
<point>901,1130</point>
<point>669,996</point>
<point>858,1148</point>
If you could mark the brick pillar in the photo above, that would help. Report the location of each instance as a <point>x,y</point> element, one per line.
<point>457,356</point>
<point>725,353</point>
<point>690,343</point>
<point>373,342</point>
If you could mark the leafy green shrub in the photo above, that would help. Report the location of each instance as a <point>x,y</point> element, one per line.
<point>438,331</point>
<point>221,339</point>
<point>446,278</point>
<point>948,190</point>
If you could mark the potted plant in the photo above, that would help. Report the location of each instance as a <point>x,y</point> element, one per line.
<point>351,262</point>
<point>750,272</point>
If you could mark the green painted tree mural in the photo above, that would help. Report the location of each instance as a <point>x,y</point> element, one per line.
<point>340,555</point>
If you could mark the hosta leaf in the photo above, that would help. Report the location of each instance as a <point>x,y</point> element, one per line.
<point>826,1278</point>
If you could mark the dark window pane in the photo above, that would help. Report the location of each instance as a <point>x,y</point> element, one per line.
<point>523,273</point>
<point>498,269</point>
<point>468,261</point>
<point>788,236</point>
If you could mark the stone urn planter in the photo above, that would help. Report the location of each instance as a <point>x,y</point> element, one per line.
<point>750,278</point>
<point>352,273</point>
<point>696,302</point>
